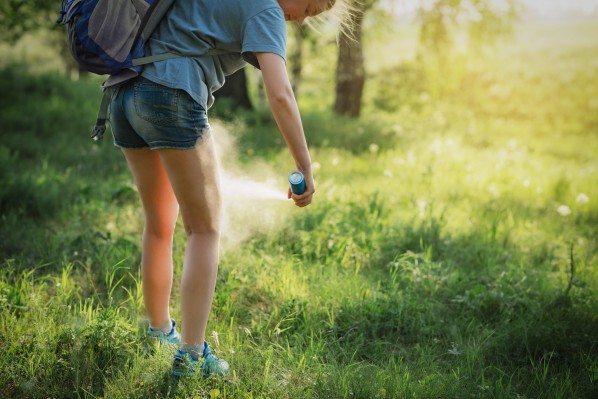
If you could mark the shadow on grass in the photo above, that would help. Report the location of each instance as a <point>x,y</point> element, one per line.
<point>477,299</point>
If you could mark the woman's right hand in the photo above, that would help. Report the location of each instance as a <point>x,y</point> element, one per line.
<point>304,199</point>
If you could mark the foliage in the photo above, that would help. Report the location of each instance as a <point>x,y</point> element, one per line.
<point>451,250</point>
<point>486,21</point>
<point>20,16</point>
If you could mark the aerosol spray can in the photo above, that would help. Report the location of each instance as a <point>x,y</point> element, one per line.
<point>297,182</point>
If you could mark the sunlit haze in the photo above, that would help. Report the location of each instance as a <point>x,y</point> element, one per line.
<point>536,9</point>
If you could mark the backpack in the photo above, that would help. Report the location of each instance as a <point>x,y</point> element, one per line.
<point>107,37</point>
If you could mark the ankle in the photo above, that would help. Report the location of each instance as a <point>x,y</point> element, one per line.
<point>196,351</point>
<point>166,328</point>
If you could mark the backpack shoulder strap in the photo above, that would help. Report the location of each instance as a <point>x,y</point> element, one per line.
<point>152,18</point>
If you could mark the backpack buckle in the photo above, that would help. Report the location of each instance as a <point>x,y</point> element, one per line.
<point>97,133</point>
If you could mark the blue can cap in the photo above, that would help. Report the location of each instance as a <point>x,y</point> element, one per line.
<point>295,177</point>
<point>297,182</point>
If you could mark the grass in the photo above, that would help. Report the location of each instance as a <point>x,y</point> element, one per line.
<point>451,250</point>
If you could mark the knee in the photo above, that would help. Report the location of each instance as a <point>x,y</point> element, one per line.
<point>160,232</point>
<point>203,228</point>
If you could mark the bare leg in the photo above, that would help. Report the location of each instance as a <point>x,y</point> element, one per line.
<point>194,178</point>
<point>161,211</point>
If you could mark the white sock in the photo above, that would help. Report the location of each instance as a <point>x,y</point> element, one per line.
<point>196,351</point>
<point>166,329</point>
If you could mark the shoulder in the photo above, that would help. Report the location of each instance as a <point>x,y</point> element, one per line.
<point>271,18</point>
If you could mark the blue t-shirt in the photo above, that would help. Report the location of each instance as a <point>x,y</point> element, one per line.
<point>242,27</point>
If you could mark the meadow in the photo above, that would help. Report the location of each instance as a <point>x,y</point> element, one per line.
<point>450,252</point>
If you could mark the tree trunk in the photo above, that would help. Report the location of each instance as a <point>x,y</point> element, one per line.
<point>261,91</point>
<point>235,88</point>
<point>350,72</point>
<point>296,57</point>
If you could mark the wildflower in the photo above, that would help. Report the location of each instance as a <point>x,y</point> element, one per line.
<point>421,207</point>
<point>440,118</point>
<point>526,183</point>
<point>436,146</point>
<point>564,210</point>
<point>215,338</point>
<point>398,129</point>
<point>374,148</point>
<point>454,350</point>
<point>582,198</point>
<point>335,161</point>
<point>494,190</point>
<point>316,166</point>
<point>388,173</point>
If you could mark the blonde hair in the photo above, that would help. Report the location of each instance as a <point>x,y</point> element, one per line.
<point>340,13</point>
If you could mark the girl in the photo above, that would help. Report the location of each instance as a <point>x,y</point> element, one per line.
<point>159,120</point>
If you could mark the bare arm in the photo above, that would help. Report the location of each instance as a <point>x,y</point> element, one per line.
<point>286,113</point>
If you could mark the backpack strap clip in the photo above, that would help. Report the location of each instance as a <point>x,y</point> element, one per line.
<point>99,129</point>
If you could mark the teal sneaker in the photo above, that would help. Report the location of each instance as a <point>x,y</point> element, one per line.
<point>185,365</point>
<point>173,337</point>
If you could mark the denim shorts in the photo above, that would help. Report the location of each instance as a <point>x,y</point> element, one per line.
<point>146,114</point>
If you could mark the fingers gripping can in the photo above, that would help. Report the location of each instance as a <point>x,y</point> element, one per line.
<point>297,182</point>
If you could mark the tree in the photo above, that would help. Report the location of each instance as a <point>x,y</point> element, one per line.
<point>300,33</point>
<point>487,20</point>
<point>235,89</point>
<point>18,17</point>
<point>350,70</point>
